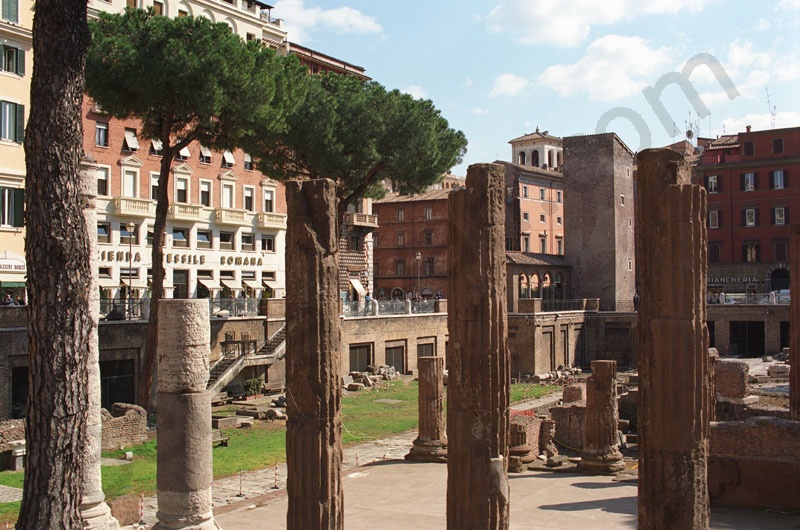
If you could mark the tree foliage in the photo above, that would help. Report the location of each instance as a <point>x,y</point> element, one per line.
<point>186,79</point>
<point>358,133</point>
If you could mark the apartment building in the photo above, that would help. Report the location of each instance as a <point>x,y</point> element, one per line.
<point>16,66</point>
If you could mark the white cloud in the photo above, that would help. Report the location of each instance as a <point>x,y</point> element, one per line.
<point>300,21</point>
<point>751,68</point>
<point>508,85</point>
<point>567,23</point>
<point>613,67</point>
<point>758,122</point>
<point>479,111</point>
<point>416,92</point>
<point>787,5</point>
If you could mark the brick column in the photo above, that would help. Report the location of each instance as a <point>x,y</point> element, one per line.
<point>313,359</point>
<point>478,358</point>
<point>185,468</point>
<point>674,396</point>
<point>601,449</point>
<point>794,328</point>
<point>95,513</point>
<point>431,442</point>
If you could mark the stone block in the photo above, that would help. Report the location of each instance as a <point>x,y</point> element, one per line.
<point>355,387</point>
<point>778,370</point>
<point>731,378</point>
<point>574,393</point>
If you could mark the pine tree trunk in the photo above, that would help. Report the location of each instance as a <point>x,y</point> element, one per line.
<point>59,316</point>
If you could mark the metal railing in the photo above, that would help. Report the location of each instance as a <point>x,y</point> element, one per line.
<point>124,309</point>
<point>387,307</point>
<point>563,305</point>
<point>233,307</point>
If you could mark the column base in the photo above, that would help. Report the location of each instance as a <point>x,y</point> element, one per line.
<point>98,517</point>
<point>428,451</point>
<point>607,464</point>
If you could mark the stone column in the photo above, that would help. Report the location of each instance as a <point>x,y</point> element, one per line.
<point>601,453</point>
<point>313,359</point>
<point>547,444</point>
<point>95,513</point>
<point>431,442</point>
<point>184,456</point>
<point>478,357</point>
<point>674,396</point>
<point>794,328</point>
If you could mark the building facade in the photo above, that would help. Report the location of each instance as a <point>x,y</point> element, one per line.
<point>752,183</point>
<point>538,149</point>
<point>16,67</point>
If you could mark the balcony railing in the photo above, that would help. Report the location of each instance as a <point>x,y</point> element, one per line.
<point>134,207</point>
<point>228,216</point>
<point>360,219</point>
<point>187,212</point>
<point>276,221</point>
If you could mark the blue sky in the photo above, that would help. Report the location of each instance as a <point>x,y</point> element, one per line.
<point>497,69</point>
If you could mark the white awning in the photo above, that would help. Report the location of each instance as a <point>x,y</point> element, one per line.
<point>210,284</point>
<point>131,141</point>
<point>356,283</point>
<point>267,285</point>
<point>157,145</point>
<point>184,152</point>
<point>135,283</point>
<point>231,284</point>
<point>205,151</point>
<point>247,158</point>
<point>107,283</point>
<point>227,156</point>
<point>253,284</point>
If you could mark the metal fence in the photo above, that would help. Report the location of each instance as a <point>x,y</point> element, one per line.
<point>387,307</point>
<point>563,305</point>
<point>124,309</point>
<point>233,307</point>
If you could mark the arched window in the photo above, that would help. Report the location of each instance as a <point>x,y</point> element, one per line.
<point>560,158</point>
<point>535,291</point>
<point>550,159</point>
<point>535,158</point>
<point>524,291</point>
<point>547,287</point>
<point>521,158</point>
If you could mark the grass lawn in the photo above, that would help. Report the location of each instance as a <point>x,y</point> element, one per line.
<point>387,409</point>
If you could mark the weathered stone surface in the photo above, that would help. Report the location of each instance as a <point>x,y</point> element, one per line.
<point>674,370</point>
<point>313,334</point>
<point>569,421</point>
<point>184,347</point>
<point>431,442</point>
<point>574,393</point>
<point>730,378</point>
<point>523,442</point>
<point>601,452</point>
<point>478,357</point>
<point>547,434</point>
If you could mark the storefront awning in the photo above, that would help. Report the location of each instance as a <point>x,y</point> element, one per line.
<point>356,283</point>
<point>253,284</point>
<point>134,283</point>
<point>210,284</point>
<point>231,284</point>
<point>107,283</point>
<point>267,285</point>
<point>10,277</point>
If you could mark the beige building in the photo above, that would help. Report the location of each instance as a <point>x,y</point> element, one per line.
<point>16,39</point>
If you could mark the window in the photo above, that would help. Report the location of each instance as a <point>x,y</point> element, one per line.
<point>102,180</point>
<point>204,239</point>
<point>400,238</point>
<point>541,194</point>
<point>182,13</point>
<point>249,203</point>
<point>558,194</point>
<point>12,204</point>
<point>184,154</point>
<point>131,4</point>
<point>777,179</point>
<point>559,246</point>
<point>748,181</point>
<point>750,252</point>
<point>750,217</point>
<point>712,183</point>
<point>130,143</point>
<point>226,240</point>
<point>558,220</point>
<point>524,216</point>
<point>182,190</point>
<point>101,134</point>
<point>127,236</point>
<point>713,219</point>
<point>399,215</point>
<point>399,267</point>
<point>156,147</point>
<point>250,36</point>
<point>780,247</point>
<point>374,240</point>
<point>12,122</point>
<point>248,241</point>
<point>205,155</point>
<point>748,148</point>
<point>205,193</point>
<point>158,7</point>
<point>103,233</point>
<point>525,191</point>
<point>777,146</point>
<point>227,159</point>
<point>428,234</point>
<point>355,243</point>
<point>427,267</point>
<point>180,237</point>
<point>268,243</point>
<point>248,162</point>
<point>10,10</point>
<point>622,200</point>
<point>543,245</point>
<point>427,214</point>
<point>542,218</point>
<point>714,251</point>
<point>779,215</point>
<point>154,186</point>
<point>13,59</point>
<point>227,195</point>
<point>129,183</point>
<point>526,244</point>
<point>269,203</point>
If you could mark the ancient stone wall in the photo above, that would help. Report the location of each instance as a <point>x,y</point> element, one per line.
<point>570,424</point>
<point>124,425</point>
<point>731,378</point>
<point>11,431</point>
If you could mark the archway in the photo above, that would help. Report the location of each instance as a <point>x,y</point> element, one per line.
<point>780,279</point>
<point>524,290</point>
<point>521,158</point>
<point>535,158</point>
<point>398,294</point>
<point>534,286</point>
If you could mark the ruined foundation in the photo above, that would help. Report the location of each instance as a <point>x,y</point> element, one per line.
<point>601,454</point>
<point>674,393</point>
<point>313,390</point>
<point>431,442</point>
<point>478,357</point>
<point>185,469</point>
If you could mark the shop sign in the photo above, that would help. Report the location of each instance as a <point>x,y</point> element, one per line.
<point>733,279</point>
<point>12,265</point>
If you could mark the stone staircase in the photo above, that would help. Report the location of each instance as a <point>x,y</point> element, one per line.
<point>275,347</point>
<point>228,367</point>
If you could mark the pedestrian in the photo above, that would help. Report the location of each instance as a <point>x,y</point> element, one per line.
<point>636,301</point>
<point>367,303</point>
<point>20,301</point>
<point>438,294</point>
<point>9,300</point>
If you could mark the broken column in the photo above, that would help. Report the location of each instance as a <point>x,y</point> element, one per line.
<point>95,512</point>
<point>478,357</point>
<point>523,442</point>
<point>794,328</point>
<point>601,452</point>
<point>674,393</point>
<point>431,442</point>
<point>313,358</point>
<point>185,467</point>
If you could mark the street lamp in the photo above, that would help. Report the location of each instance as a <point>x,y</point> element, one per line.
<point>130,227</point>
<point>418,257</point>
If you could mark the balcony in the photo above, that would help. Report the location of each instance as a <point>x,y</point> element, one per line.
<point>276,221</point>
<point>360,219</point>
<point>187,212</point>
<point>229,216</point>
<point>132,207</point>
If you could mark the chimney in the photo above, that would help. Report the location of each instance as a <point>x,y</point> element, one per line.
<point>748,128</point>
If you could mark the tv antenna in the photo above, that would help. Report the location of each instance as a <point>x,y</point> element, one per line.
<point>772,109</point>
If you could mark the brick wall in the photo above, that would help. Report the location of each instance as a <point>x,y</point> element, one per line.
<point>124,425</point>
<point>11,431</point>
<point>569,425</point>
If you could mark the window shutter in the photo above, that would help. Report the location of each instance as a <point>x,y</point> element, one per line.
<point>758,252</point>
<point>10,10</point>
<point>786,215</point>
<point>20,62</point>
<point>19,201</point>
<point>6,13</point>
<point>20,124</point>
<point>772,180</point>
<point>755,185</point>
<point>744,217</point>
<point>772,216</point>
<point>741,181</point>
<point>744,253</point>
<point>706,181</point>
<point>757,210</point>
<point>719,219</point>
<point>785,178</point>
